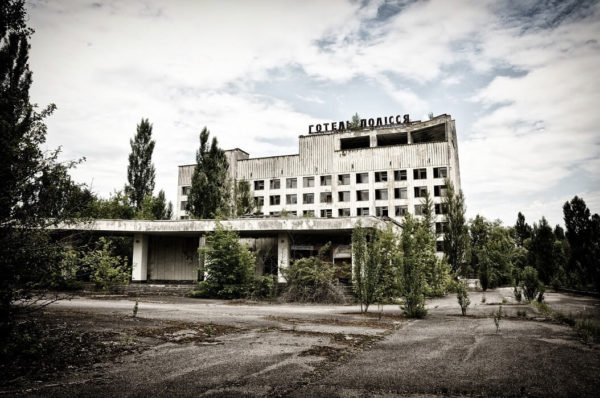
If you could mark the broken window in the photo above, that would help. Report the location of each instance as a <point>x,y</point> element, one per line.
<point>184,217</point>
<point>275,213</point>
<point>381,211</point>
<point>291,199</point>
<point>275,183</point>
<point>326,213</point>
<point>325,180</point>
<point>440,172</point>
<point>441,208</point>
<point>420,192</point>
<point>439,245</point>
<point>362,195</point>
<point>381,194</point>
<point>308,182</point>
<point>400,193</point>
<point>308,198</point>
<point>400,175</point>
<point>184,205</point>
<point>362,211</point>
<point>429,134</point>
<point>291,183</point>
<point>420,174</point>
<point>355,142</point>
<point>362,178</point>
<point>259,185</point>
<point>185,190</point>
<point>401,211</point>
<point>293,213</point>
<point>325,197</point>
<point>439,190</point>
<point>259,200</point>
<point>380,176</point>
<point>274,200</point>
<point>344,212</point>
<point>392,139</point>
<point>344,179</point>
<point>441,227</point>
<point>308,213</point>
<point>344,196</point>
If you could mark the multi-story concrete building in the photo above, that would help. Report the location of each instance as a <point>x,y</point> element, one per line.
<point>385,169</point>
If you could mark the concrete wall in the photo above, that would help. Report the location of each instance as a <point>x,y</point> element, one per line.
<point>173,258</point>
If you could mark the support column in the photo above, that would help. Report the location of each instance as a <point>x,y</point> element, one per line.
<point>283,254</point>
<point>139,271</point>
<point>202,258</point>
<point>409,137</point>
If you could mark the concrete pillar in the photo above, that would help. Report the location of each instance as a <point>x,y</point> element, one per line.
<point>409,137</point>
<point>202,258</point>
<point>139,271</point>
<point>283,254</point>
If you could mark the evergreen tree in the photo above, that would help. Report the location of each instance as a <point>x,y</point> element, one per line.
<point>209,193</point>
<point>243,201</point>
<point>542,251</point>
<point>457,235</point>
<point>355,123</point>
<point>577,223</point>
<point>413,274</point>
<point>140,172</point>
<point>522,230</point>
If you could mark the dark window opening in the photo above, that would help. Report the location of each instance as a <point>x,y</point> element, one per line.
<point>400,175</point>
<point>355,142</point>
<point>392,139</point>
<point>380,176</point>
<point>431,134</point>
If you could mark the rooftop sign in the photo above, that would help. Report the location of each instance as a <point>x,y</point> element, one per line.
<point>364,123</point>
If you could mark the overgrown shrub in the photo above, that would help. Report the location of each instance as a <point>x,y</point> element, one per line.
<point>518,293</point>
<point>312,280</point>
<point>415,257</point>
<point>264,287</point>
<point>462,294</point>
<point>107,271</point>
<point>228,265</point>
<point>530,283</point>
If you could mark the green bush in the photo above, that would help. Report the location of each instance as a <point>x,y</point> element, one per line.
<point>462,294</point>
<point>264,287</point>
<point>107,271</point>
<point>530,283</point>
<point>312,280</point>
<point>228,265</point>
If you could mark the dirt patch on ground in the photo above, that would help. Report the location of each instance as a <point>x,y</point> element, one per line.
<point>331,353</point>
<point>369,323</point>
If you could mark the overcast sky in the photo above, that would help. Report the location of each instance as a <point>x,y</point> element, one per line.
<point>521,79</point>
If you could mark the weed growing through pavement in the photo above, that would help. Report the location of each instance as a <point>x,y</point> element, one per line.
<point>135,308</point>
<point>498,318</point>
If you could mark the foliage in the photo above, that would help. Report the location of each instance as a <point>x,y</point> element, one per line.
<point>243,200</point>
<point>140,171</point>
<point>229,265</point>
<point>312,279</point>
<point>462,294</point>
<point>115,207</point>
<point>154,208</point>
<point>264,287</point>
<point>518,293</point>
<point>456,236</point>
<point>413,274</point>
<point>497,318</point>
<point>209,193</point>
<point>541,251</point>
<point>36,190</point>
<point>522,230</point>
<point>107,271</point>
<point>530,283</point>
<point>355,123</point>
<point>135,308</point>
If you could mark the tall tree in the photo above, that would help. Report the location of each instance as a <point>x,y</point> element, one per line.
<point>457,235</point>
<point>542,251</point>
<point>243,201</point>
<point>34,186</point>
<point>522,230</point>
<point>140,171</point>
<point>209,193</point>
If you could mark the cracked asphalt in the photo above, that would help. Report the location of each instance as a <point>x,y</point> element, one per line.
<point>332,351</point>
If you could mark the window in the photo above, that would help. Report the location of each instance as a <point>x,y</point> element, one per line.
<point>400,193</point>
<point>184,217</point>
<point>381,194</point>
<point>380,176</point>
<point>185,190</point>
<point>184,205</point>
<point>308,198</point>
<point>439,190</point>
<point>418,210</point>
<point>401,211</point>
<point>291,199</point>
<point>308,182</point>
<point>439,245</point>
<point>441,208</point>
<point>362,211</point>
<point>344,196</point>
<point>355,142</point>
<point>440,172</point>
<point>325,197</point>
<point>381,211</point>
<point>274,200</point>
<point>441,227</point>
<point>275,183</point>
<point>326,213</point>
<point>259,185</point>
<point>420,192</point>
<point>420,174</point>
<point>362,195</point>
<point>291,183</point>
<point>400,175</point>
<point>259,200</point>
<point>308,213</point>
<point>362,178</point>
<point>293,213</point>
<point>275,213</point>
<point>344,179</point>
<point>344,212</point>
<point>325,181</point>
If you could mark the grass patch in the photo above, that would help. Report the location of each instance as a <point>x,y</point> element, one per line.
<point>588,329</point>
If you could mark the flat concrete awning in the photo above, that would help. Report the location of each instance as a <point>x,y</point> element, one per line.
<point>242,225</point>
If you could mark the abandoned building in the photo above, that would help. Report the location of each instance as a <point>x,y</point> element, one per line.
<point>337,179</point>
